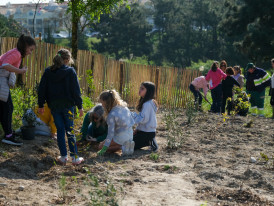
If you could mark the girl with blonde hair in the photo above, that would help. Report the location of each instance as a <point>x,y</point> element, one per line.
<point>119,121</point>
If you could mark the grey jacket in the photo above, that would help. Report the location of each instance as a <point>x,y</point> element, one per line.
<point>146,120</point>
<point>7,80</point>
<point>120,124</point>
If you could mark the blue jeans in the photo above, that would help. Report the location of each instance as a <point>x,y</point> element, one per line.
<point>217,95</point>
<point>63,119</point>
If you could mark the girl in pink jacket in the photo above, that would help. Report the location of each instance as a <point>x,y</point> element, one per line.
<point>215,77</point>
<point>9,64</point>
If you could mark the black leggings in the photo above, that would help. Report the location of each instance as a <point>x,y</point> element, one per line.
<point>143,139</point>
<point>197,94</point>
<point>6,109</point>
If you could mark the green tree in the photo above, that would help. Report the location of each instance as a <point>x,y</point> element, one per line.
<point>125,33</point>
<point>252,24</point>
<point>91,10</point>
<point>187,31</point>
<point>9,27</point>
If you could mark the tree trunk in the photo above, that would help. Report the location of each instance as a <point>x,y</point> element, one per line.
<point>74,34</point>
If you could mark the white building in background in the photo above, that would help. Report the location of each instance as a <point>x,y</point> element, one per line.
<point>48,16</point>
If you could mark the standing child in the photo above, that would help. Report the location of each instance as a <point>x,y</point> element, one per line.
<point>146,119</point>
<point>9,63</point>
<point>59,87</point>
<point>94,127</point>
<point>119,123</point>
<point>227,86</point>
<point>197,84</point>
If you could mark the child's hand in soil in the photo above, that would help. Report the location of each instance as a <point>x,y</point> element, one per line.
<point>90,139</point>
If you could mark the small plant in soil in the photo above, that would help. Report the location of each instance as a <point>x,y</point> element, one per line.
<point>154,156</point>
<point>174,130</point>
<point>191,111</point>
<point>62,187</point>
<point>166,167</point>
<point>269,160</point>
<point>249,124</point>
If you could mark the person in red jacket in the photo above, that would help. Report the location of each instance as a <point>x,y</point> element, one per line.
<point>214,77</point>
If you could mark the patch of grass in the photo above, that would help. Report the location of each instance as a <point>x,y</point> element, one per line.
<point>166,167</point>
<point>4,154</point>
<point>154,156</point>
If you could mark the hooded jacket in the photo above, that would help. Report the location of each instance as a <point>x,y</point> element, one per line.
<point>258,80</point>
<point>146,120</point>
<point>60,89</point>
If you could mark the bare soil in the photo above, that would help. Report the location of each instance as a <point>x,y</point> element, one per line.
<point>213,166</point>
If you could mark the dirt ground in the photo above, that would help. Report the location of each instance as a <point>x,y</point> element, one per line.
<point>213,167</point>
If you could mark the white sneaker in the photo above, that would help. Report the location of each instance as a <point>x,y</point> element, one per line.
<point>77,161</point>
<point>62,160</point>
<point>131,148</point>
<point>126,148</point>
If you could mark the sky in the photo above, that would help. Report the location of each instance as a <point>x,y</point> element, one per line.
<point>4,2</point>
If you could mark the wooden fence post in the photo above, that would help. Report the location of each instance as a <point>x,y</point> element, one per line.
<point>157,81</point>
<point>121,78</point>
<point>92,70</point>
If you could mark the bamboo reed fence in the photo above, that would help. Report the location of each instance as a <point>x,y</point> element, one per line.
<point>171,83</point>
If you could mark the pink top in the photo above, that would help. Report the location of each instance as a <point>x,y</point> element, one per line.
<point>12,57</point>
<point>200,83</point>
<point>215,78</point>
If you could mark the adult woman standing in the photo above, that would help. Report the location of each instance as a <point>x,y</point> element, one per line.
<point>223,65</point>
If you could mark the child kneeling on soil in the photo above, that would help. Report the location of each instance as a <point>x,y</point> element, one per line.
<point>119,123</point>
<point>196,84</point>
<point>146,121</point>
<point>59,87</point>
<point>94,127</point>
<point>227,86</point>
<point>44,122</point>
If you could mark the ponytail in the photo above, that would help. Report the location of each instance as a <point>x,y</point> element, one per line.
<point>24,42</point>
<point>58,60</point>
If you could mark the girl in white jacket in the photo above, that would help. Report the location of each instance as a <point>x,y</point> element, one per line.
<point>146,121</point>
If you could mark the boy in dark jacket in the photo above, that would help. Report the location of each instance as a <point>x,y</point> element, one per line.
<point>227,86</point>
<point>256,81</point>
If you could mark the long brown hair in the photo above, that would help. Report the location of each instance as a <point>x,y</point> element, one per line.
<point>111,98</point>
<point>214,66</point>
<point>24,42</point>
<point>150,94</point>
<point>61,56</point>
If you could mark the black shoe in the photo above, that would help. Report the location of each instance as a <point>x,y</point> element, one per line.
<point>154,145</point>
<point>11,140</point>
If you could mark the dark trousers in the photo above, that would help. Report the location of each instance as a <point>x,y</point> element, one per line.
<point>143,139</point>
<point>197,94</point>
<point>229,104</point>
<point>63,119</point>
<point>6,109</point>
<point>216,95</point>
